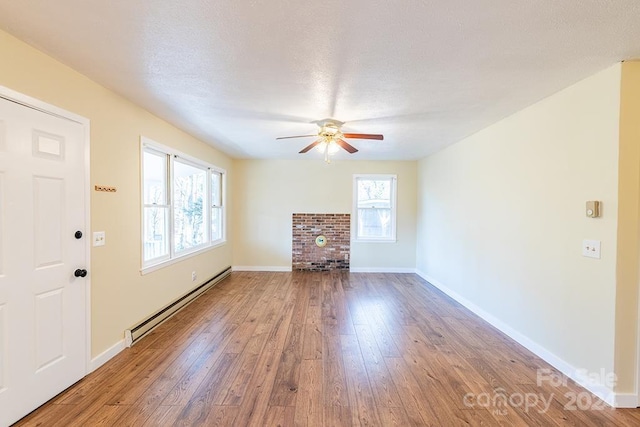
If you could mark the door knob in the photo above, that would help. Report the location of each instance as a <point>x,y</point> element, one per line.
<point>78,234</point>
<point>80,273</point>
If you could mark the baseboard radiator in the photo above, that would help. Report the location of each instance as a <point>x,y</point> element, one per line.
<point>135,333</point>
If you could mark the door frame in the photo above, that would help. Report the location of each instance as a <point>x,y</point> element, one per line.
<point>36,104</point>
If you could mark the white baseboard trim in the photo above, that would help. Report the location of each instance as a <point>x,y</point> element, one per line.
<point>106,355</point>
<point>625,400</point>
<point>381,270</point>
<point>352,269</point>
<point>260,268</point>
<point>617,400</point>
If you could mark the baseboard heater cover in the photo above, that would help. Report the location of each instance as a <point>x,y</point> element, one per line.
<point>133,335</point>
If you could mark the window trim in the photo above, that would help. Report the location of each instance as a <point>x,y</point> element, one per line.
<point>394,208</point>
<point>147,144</point>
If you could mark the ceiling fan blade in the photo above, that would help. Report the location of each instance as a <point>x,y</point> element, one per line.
<point>310,146</point>
<point>344,144</point>
<point>363,136</point>
<point>297,136</point>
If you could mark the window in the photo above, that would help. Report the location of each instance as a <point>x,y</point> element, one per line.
<point>375,207</point>
<point>189,195</point>
<point>156,207</point>
<point>216,205</point>
<point>183,205</point>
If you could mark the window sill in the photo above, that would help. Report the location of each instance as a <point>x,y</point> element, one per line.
<point>361,240</point>
<point>153,267</point>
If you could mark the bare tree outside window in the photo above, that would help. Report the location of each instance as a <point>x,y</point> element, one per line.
<point>182,199</point>
<point>375,203</point>
<point>189,190</point>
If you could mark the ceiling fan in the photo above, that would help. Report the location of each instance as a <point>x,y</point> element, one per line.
<point>330,138</point>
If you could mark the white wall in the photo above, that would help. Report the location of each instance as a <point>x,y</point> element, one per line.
<point>501,219</point>
<point>267,192</point>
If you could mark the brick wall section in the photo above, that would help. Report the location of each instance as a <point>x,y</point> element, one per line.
<point>335,255</point>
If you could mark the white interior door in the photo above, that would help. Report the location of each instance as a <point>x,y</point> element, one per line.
<point>42,303</point>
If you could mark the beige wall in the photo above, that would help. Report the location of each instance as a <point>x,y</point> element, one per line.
<point>267,192</point>
<point>500,215</point>
<point>120,295</point>
<point>501,219</point>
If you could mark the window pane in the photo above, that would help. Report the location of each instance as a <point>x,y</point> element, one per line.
<point>189,185</point>
<point>156,232</point>
<point>216,224</point>
<point>155,178</point>
<point>374,193</point>
<point>374,223</point>
<point>216,189</point>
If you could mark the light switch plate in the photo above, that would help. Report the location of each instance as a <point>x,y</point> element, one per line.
<point>591,248</point>
<point>99,238</point>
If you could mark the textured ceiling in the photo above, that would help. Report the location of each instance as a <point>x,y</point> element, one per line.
<point>237,74</point>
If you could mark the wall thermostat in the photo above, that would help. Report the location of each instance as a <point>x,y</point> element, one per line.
<point>321,241</point>
<point>593,209</point>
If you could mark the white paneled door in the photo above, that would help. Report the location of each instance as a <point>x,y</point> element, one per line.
<point>43,337</point>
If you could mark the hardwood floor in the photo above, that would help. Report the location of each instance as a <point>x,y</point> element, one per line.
<point>325,349</point>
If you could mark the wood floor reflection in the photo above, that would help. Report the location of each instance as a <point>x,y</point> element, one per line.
<point>325,349</point>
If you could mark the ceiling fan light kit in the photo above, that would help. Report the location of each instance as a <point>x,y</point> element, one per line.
<point>331,147</point>
<point>330,138</point>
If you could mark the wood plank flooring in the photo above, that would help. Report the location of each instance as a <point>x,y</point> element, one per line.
<point>325,349</point>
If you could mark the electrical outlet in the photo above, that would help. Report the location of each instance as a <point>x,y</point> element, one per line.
<point>194,276</point>
<point>99,238</point>
<point>591,248</point>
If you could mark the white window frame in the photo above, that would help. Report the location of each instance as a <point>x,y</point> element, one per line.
<point>393,201</point>
<point>147,144</point>
<point>223,204</point>
<point>166,206</point>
